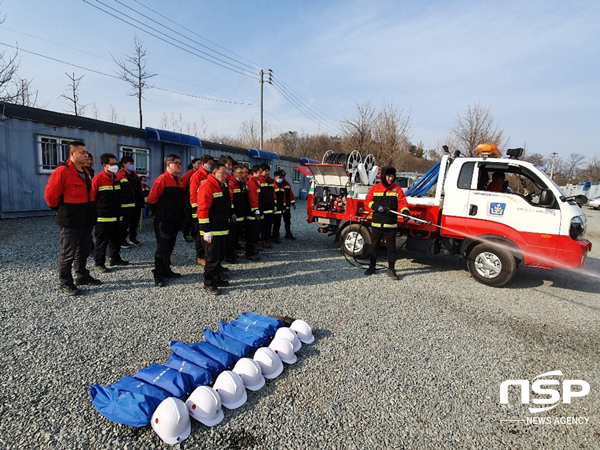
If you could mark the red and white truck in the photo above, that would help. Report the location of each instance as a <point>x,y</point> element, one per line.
<point>453,213</point>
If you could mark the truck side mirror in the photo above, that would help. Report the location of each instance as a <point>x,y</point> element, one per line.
<point>581,199</point>
<point>546,198</point>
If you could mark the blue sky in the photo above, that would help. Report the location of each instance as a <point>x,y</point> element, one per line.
<point>535,63</point>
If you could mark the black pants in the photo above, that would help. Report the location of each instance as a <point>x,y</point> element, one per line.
<point>276,225</point>
<point>134,223</point>
<point>127,215</point>
<point>233,238</point>
<point>75,247</point>
<point>108,234</point>
<point>187,218</point>
<point>265,227</point>
<point>166,236</point>
<point>287,220</point>
<point>390,242</point>
<point>215,252</point>
<point>252,231</point>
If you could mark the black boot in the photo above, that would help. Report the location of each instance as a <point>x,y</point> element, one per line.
<point>159,279</point>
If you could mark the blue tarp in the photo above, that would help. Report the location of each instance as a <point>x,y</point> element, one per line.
<point>230,345</point>
<point>258,324</point>
<point>154,134</point>
<point>178,384</point>
<point>129,401</point>
<point>305,161</point>
<point>263,154</point>
<point>199,376</point>
<point>243,336</point>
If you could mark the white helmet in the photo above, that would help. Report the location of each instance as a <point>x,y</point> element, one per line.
<point>204,405</point>
<point>171,421</point>
<point>250,373</point>
<point>270,364</point>
<point>304,331</point>
<point>290,335</point>
<point>284,349</point>
<point>230,388</point>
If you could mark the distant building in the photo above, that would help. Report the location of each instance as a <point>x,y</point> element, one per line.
<point>34,141</point>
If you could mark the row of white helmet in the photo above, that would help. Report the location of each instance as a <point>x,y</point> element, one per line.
<point>171,420</point>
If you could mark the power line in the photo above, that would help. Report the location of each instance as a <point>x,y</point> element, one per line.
<point>118,78</point>
<point>256,66</point>
<point>111,60</point>
<point>171,43</point>
<point>291,92</point>
<point>307,114</point>
<point>176,32</point>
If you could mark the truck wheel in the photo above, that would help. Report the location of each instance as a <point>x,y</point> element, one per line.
<point>356,240</point>
<point>492,265</point>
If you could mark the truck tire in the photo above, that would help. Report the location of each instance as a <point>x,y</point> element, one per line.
<point>491,264</point>
<point>356,240</point>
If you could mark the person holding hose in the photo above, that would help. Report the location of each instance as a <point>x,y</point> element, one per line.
<point>383,198</point>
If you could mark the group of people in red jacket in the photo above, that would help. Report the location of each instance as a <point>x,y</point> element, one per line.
<point>216,203</point>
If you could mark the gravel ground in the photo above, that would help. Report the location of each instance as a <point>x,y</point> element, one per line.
<point>415,363</point>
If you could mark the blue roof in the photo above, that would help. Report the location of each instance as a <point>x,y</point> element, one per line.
<point>154,134</point>
<point>256,153</point>
<point>305,161</point>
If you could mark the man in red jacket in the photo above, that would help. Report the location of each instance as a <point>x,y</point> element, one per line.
<point>195,181</point>
<point>69,193</point>
<point>189,221</point>
<point>383,198</point>
<point>214,215</point>
<point>166,202</point>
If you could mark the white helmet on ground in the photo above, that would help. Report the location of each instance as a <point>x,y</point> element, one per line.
<point>230,388</point>
<point>304,331</point>
<point>250,373</point>
<point>290,335</point>
<point>171,421</point>
<point>270,364</point>
<point>204,405</point>
<point>284,349</point>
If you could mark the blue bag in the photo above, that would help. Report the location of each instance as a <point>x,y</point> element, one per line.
<point>185,351</point>
<point>277,323</point>
<point>199,376</point>
<point>230,345</point>
<point>225,358</point>
<point>129,401</point>
<point>243,336</point>
<point>176,383</point>
<point>255,326</point>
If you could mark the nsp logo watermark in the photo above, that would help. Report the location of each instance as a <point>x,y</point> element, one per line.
<point>548,393</point>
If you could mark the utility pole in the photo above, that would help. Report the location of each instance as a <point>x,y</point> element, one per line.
<point>552,156</point>
<point>262,81</point>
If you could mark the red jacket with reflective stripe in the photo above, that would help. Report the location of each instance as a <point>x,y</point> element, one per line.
<point>391,197</point>
<point>108,196</point>
<point>214,207</point>
<point>195,181</point>
<point>71,196</point>
<point>253,192</point>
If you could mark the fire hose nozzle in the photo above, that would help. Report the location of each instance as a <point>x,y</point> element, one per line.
<point>408,216</point>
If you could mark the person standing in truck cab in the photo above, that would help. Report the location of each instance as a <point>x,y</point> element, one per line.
<point>383,198</point>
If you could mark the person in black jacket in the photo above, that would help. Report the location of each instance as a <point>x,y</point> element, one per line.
<point>133,202</point>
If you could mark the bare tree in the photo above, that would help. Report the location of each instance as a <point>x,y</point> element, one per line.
<point>73,88</point>
<point>475,127</point>
<point>592,170</point>
<point>358,131</point>
<point>114,117</point>
<point>390,133</point>
<point>95,113</point>
<point>133,71</point>
<point>24,93</point>
<point>572,167</point>
<point>249,135</point>
<point>539,160</point>
<point>8,70</point>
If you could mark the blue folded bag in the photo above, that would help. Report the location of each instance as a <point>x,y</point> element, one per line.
<point>267,319</point>
<point>178,384</point>
<point>199,376</point>
<point>243,336</point>
<point>129,401</point>
<point>225,358</point>
<point>256,326</point>
<point>185,351</point>
<point>230,345</point>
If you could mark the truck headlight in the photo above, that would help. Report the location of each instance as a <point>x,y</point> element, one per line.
<point>577,228</point>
